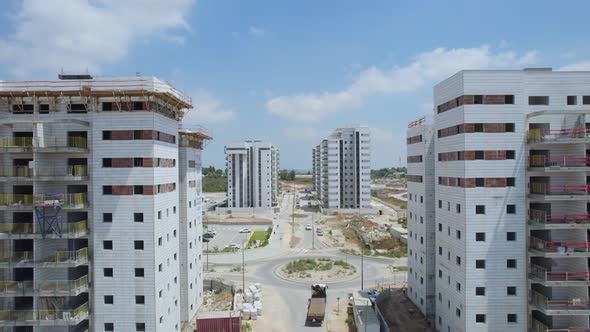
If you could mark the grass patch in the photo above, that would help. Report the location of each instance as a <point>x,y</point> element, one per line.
<point>297,215</point>
<point>214,183</point>
<point>259,239</point>
<point>302,266</point>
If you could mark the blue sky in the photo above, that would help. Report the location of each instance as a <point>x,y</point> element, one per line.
<point>291,71</point>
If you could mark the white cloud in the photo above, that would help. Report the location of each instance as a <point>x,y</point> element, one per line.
<point>584,65</point>
<point>85,34</point>
<point>302,133</point>
<point>256,31</point>
<point>207,109</point>
<point>426,67</point>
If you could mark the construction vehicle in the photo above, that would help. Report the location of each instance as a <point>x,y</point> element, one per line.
<point>316,308</point>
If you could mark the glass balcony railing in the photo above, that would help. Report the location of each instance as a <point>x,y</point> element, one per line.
<point>67,256</point>
<point>29,228</point>
<point>77,142</point>
<point>59,315</point>
<point>543,302</point>
<point>558,189</point>
<point>562,247</point>
<point>547,275</point>
<point>16,257</point>
<point>66,200</point>
<point>16,199</point>
<point>564,161</point>
<point>44,286</point>
<point>565,134</point>
<point>16,142</point>
<point>542,217</point>
<point>17,171</point>
<point>25,171</point>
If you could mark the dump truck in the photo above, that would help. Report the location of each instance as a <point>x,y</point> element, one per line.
<point>316,307</point>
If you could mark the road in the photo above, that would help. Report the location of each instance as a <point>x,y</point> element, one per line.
<point>284,301</point>
<point>227,234</point>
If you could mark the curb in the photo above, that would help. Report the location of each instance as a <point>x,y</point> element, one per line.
<point>356,275</point>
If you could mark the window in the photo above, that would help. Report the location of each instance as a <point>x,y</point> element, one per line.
<point>458,312</point>
<point>440,251</point>
<point>448,206</point>
<point>439,204</point>
<point>138,134</point>
<point>107,272</point>
<point>43,108</point>
<point>138,244</point>
<point>138,217</point>
<point>440,274</point>
<point>511,318</point>
<point>458,286</point>
<point>510,154</point>
<point>109,299</point>
<point>586,100</point>
<point>109,327</point>
<point>511,263</point>
<point>479,155</point>
<point>478,128</point>
<point>440,227</point>
<point>139,273</point>
<point>509,127</point>
<point>510,209</point>
<point>458,260</point>
<point>511,290</point>
<point>478,99</point>
<point>107,245</point>
<point>107,217</point>
<point>137,162</point>
<point>480,237</point>
<point>480,291</point>
<point>106,135</point>
<point>421,199</point>
<point>458,208</point>
<point>138,106</point>
<point>510,236</point>
<point>572,100</point>
<point>107,162</point>
<point>480,318</point>
<point>480,209</point>
<point>140,327</point>
<point>77,108</point>
<point>159,215</point>
<point>160,241</point>
<point>139,299</point>
<point>107,106</point>
<point>538,100</point>
<point>480,263</point>
<point>138,190</point>
<point>509,99</point>
<point>107,190</point>
<point>510,182</point>
<point>458,234</point>
<point>479,182</point>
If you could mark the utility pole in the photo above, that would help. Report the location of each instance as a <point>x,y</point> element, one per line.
<point>243,270</point>
<point>312,232</point>
<point>293,212</point>
<point>363,268</point>
<point>207,253</point>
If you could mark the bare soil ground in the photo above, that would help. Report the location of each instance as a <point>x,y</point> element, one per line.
<point>294,241</point>
<point>323,269</point>
<point>402,315</point>
<point>217,300</point>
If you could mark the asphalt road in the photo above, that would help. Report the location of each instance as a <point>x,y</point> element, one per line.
<point>227,234</point>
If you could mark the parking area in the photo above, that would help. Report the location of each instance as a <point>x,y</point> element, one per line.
<point>227,234</point>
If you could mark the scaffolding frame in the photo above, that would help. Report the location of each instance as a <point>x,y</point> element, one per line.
<point>49,223</point>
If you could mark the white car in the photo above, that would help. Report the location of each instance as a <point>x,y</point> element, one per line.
<point>308,227</point>
<point>245,230</point>
<point>233,246</point>
<point>212,231</point>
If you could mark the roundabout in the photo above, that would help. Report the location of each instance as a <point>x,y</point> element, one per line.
<point>317,270</point>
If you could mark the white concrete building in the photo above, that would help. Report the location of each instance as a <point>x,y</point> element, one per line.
<point>252,175</point>
<point>511,205</point>
<point>342,169</point>
<point>93,204</point>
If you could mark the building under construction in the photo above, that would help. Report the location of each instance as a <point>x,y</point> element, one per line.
<point>100,206</point>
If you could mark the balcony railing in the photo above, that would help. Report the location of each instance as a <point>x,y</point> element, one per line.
<point>29,228</point>
<point>66,315</point>
<point>559,246</point>
<point>565,161</point>
<point>66,200</point>
<point>547,135</point>
<point>45,286</point>
<point>543,217</point>
<point>539,326</point>
<point>25,171</point>
<point>78,142</point>
<point>545,303</point>
<point>67,256</point>
<point>544,274</point>
<point>16,257</point>
<point>559,189</point>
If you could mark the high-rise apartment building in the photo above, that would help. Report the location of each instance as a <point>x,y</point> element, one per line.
<point>511,202</point>
<point>100,206</point>
<point>342,169</point>
<point>252,175</point>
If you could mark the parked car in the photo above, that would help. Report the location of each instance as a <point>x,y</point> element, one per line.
<point>245,230</point>
<point>233,246</point>
<point>211,231</point>
<point>206,239</point>
<point>320,233</point>
<point>308,227</point>
<point>208,236</point>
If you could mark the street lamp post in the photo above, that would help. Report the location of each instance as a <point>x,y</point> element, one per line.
<point>207,254</point>
<point>363,268</point>
<point>312,232</point>
<point>243,268</point>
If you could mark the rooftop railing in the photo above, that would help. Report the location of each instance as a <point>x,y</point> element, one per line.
<point>564,161</point>
<point>543,217</point>
<point>555,135</point>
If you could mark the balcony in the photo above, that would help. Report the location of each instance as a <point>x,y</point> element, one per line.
<point>552,307</point>
<point>44,287</point>
<point>27,230</point>
<point>16,258</point>
<point>542,220</point>
<point>45,144</point>
<point>59,317</point>
<point>558,136</point>
<point>539,326</point>
<point>562,192</point>
<point>562,164</point>
<point>59,258</point>
<point>541,275</point>
<point>542,248</point>
<point>27,174</point>
<point>67,201</point>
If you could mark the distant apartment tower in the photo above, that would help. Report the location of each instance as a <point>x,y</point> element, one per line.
<point>252,175</point>
<point>342,169</point>
<point>99,206</point>
<point>512,223</point>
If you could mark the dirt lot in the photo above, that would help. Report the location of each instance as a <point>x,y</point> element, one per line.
<point>217,300</point>
<point>401,314</point>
